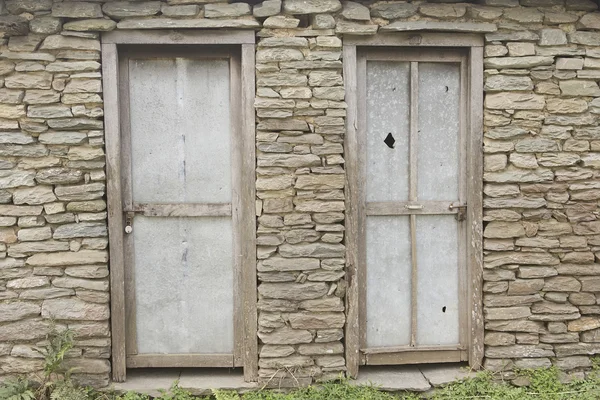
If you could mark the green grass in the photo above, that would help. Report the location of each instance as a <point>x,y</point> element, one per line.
<point>544,385</point>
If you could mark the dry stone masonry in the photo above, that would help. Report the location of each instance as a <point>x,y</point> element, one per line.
<point>541,179</point>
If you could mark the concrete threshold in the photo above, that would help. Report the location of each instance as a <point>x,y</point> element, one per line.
<point>201,381</point>
<point>414,378</point>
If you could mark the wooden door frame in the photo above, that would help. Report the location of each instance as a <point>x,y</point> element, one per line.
<point>243,205</point>
<point>355,217</point>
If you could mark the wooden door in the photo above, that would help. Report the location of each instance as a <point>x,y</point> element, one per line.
<point>412,145</point>
<point>181,161</point>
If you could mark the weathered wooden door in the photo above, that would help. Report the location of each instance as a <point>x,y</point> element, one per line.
<point>413,206</point>
<point>180,157</point>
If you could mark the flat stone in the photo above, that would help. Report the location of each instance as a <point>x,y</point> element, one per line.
<point>90,191</point>
<point>559,18</point>
<point>496,83</point>
<point>149,381</point>
<point>284,335</point>
<point>203,381</point>
<point>15,178</point>
<point>321,320</point>
<point>77,10</point>
<point>281,21</point>
<point>520,351</point>
<point>552,37</point>
<point>288,160</point>
<point>590,21</point>
<point>189,10</point>
<point>267,8</point>
<point>82,229</point>
<point>503,230</point>
<point>393,378</point>
<point>73,66</point>
<point>355,11</point>
<point>499,339</point>
<point>515,101</point>
<point>34,196</point>
<point>506,132</point>
<point>524,15</point>
<point>355,28</point>
<point>220,10</point>
<point>46,293</point>
<point>45,25</point>
<point>124,9</point>
<point>585,38</point>
<point>583,324</point>
<point>320,182</point>
<point>579,88</point>
<point>393,10</point>
<point>536,145</point>
<point>582,5</point>
<point>485,13</point>
<point>68,258</point>
<point>60,42</point>
<point>562,284</point>
<point>29,6</point>
<point>91,25</point>
<point>518,62</point>
<point>571,349</point>
<point>520,49</point>
<point>439,375</point>
<point>311,6</point>
<point>322,21</point>
<point>87,366</point>
<point>507,258</point>
<point>13,25</point>
<point>293,291</point>
<point>517,36</point>
<point>73,309</point>
<point>569,63</point>
<point>171,23</point>
<point>278,54</point>
<point>18,310</point>
<point>288,264</point>
<point>75,283</point>
<point>449,11</point>
<point>67,137</point>
<point>49,111</point>
<point>404,26</point>
<point>30,329</point>
<point>316,250</point>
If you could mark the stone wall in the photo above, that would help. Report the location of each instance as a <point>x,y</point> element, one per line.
<point>542,155</point>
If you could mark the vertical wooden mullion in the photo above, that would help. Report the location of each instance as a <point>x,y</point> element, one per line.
<point>412,195</point>
<point>461,225</point>
<point>361,153</point>
<point>236,141</point>
<point>247,227</point>
<point>352,332</point>
<point>475,209</point>
<point>127,187</point>
<point>110,77</point>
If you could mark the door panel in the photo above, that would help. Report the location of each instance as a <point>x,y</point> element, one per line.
<point>183,283</point>
<point>438,131</point>
<point>388,266</point>
<point>388,113</point>
<point>180,130</point>
<point>437,290</point>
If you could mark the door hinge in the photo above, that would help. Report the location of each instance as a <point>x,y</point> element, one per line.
<point>461,213</point>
